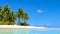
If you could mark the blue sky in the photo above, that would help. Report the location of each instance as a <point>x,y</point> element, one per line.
<point>40,11</point>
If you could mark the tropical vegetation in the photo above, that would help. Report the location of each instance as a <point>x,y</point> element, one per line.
<point>9,17</point>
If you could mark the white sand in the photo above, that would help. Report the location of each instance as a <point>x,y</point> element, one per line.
<point>18,26</point>
<point>26,27</point>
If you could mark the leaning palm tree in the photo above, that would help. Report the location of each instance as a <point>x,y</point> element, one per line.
<point>25,18</point>
<point>19,15</point>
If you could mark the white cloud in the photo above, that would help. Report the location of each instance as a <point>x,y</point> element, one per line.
<point>39,11</point>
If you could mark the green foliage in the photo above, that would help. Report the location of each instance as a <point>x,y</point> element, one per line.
<point>24,24</point>
<point>8,17</point>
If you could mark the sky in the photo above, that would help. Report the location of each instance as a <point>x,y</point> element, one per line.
<point>40,11</point>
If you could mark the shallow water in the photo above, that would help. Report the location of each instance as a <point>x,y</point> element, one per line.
<point>25,31</point>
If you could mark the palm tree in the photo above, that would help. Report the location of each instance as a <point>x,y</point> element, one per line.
<point>1,13</point>
<point>19,15</point>
<point>6,13</point>
<point>12,18</point>
<point>9,16</point>
<point>25,18</point>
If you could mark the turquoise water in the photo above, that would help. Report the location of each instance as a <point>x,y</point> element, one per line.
<point>25,31</point>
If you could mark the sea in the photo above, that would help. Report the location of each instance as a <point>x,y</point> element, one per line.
<point>28,31</point>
